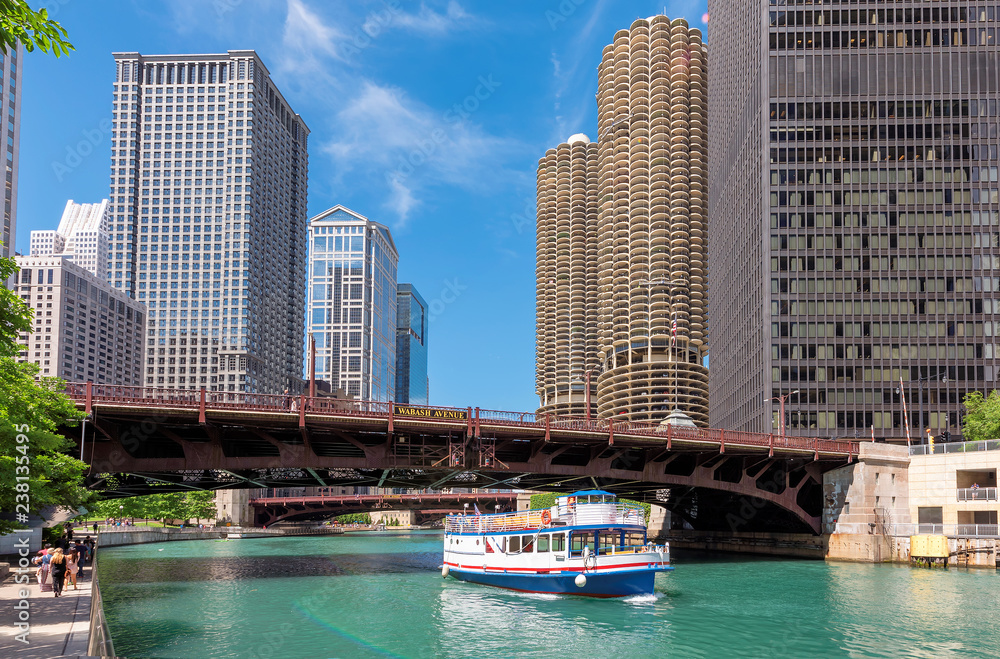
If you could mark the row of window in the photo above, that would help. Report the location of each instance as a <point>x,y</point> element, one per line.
<point>863,373</point>
<point>904,175</point>
<point>828,40</point>
<point>890,219</point>
<point>871,132</point>
<point>887,285</point>
<point>928,329</point>
<point>885,241</point>
<point>981,14</point>
<point>886,153</point>
<point>783,198</point>
<point>808,111</point>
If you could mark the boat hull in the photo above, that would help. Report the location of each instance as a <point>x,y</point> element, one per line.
<point>619,583</point>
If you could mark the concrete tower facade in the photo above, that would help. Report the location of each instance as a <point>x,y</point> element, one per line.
<point>82,237</point>
<point>208,219</point>
<point>652,213</point>
<point>10,97</point>
<point>566,340</point>
<point>854,215</point>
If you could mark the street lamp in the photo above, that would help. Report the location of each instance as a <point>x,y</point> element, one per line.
<point>781,401</point>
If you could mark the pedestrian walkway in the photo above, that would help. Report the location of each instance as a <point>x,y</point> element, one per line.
<point>60,626</point>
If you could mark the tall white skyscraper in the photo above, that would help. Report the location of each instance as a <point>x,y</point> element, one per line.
<point>208,196</point>
<point>352,303</point>
<point>11,99</point>
<point>82,237</point>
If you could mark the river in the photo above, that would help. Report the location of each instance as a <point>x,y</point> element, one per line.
<point>382,595</point>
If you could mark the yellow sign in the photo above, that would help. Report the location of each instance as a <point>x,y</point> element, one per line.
<point>429,413</point>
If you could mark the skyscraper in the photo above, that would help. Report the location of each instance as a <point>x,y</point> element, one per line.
<point>82,237</point>
<point>11,99</point>
<point>411,346</point>
<point>352,303</point>
<point>567,345</point>
<point>653,197</point>
<point>208,197</point>
<point>853,162</point>
<point>83,329</point>
<point>620,272</point>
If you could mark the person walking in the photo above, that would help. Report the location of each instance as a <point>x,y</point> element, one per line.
<point>72,567</point>
<point>58,566</point>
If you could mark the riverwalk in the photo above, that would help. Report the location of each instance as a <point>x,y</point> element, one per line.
<point>59,626</point>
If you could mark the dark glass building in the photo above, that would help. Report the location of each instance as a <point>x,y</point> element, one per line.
<point>411,346</point>
<point>853,221</point>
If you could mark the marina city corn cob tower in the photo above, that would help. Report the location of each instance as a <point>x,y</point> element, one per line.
<point>651,203</point>
<point>567,343</point>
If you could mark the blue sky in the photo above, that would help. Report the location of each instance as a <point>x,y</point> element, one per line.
<point>429,117</point>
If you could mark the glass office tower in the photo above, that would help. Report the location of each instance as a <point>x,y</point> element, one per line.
<point>352,303</point>
<point>411,346</point>
<point>853,161</point>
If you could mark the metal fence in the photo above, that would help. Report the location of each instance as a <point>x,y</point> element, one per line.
<point>977,494</point>
<point>99,641</point>
<point>956,447</point>
<point>906,530</point>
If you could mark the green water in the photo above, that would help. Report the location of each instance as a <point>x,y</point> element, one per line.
<point>383,596</point>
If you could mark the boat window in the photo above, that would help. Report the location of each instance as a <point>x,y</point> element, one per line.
<point>514,544</point>
<point>634,539</point>
<point>580,539</point>
<point>529,545</point>
<point>543,543</point>
<point>558,542</point>
<point>609,540</point>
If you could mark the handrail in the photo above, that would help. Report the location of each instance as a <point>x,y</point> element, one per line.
<point>89,393</point>
<point>571,515</point>
<point>956,447</point>
<point>99,639</point>
<point>906,530</point>
<point>977,494</point>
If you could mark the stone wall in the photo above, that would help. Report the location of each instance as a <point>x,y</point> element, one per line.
<point>120,538</point>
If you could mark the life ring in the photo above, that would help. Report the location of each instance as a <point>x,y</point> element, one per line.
<point>546,517</point>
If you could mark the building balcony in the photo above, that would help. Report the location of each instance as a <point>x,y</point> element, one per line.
<point>977,494</point>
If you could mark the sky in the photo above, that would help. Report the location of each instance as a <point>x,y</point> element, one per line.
<point>429,117</point>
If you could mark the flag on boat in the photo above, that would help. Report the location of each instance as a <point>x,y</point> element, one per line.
<point>476,508</point>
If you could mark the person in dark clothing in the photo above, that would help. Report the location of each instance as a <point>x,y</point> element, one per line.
<point>95,528</point>
<point>58,568</point>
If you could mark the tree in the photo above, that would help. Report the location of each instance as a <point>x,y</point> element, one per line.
<point>199,505</point>
<point>15,315</point>
<point>35,471</point>
<point>34,29</point>
<point>982,416</point>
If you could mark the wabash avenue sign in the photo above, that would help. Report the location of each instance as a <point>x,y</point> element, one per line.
<point>429,413</point>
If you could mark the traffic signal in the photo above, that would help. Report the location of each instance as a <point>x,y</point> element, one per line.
<point>946,436</point>
<point>930,441</point>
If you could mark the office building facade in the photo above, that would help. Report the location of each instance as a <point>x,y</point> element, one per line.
<point>351,308</point>
<point>412,384</point>
<point>853,158</point>
<point>567,344</point>
<point>10,96</point>
<point>83,329</point>
<point>208,219</point>
<point>82,237</point>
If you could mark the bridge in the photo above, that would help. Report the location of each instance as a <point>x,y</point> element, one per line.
<point>142,439</point>
<point>268,510</point>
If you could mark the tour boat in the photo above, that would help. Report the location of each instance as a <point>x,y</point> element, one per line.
<point>587,544</point>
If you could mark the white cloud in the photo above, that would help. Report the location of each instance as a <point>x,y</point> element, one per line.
<point>429,21</point>
<point>306,35</point>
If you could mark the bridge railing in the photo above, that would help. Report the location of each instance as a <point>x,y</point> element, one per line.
<point>203,399</point>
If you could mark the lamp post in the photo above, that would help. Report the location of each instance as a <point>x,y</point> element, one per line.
<point>781,402</point>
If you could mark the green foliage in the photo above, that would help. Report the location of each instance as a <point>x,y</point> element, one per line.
<point>34,29</point>
<point>355,518</point>
<point>982,416</point>
<point>175,505</point>
<point>15,315</point>
<point>546,500</point>
<point>31,411</point>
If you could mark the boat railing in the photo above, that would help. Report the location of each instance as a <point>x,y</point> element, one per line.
<point>568,515</point>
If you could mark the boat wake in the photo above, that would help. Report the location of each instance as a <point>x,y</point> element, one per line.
<point>646,598</point>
